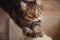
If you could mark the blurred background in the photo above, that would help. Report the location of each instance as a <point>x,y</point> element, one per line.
<point>50,22</point>
<point>51,18</point>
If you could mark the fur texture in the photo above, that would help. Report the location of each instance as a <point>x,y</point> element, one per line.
<point>25,13</point>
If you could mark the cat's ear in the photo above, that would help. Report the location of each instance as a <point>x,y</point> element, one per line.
<point>30,0</point>
<point>38,2</point>
<point>23,5</point>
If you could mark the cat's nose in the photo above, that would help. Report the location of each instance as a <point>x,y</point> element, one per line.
<point>35,15</point>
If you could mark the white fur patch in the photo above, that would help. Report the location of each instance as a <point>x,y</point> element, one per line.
<point>45,37</point>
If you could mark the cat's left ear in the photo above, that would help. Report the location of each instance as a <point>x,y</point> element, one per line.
<point>38,2</point>
<point>23,5</point>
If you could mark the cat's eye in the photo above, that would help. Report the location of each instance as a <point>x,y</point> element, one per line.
<point>39,10</point>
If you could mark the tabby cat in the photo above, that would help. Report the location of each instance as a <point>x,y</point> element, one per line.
<point>26,14</point>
